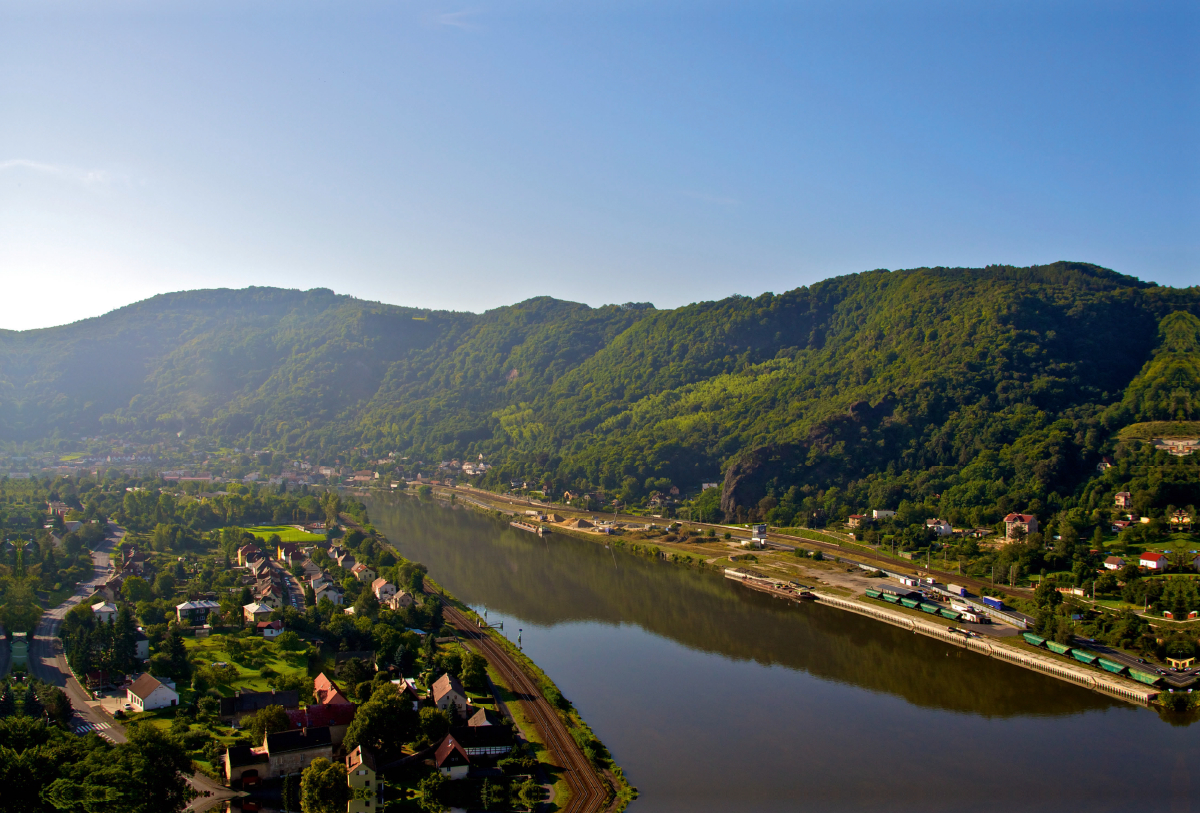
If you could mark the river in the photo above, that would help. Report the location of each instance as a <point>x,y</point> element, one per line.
<point>713,697</point>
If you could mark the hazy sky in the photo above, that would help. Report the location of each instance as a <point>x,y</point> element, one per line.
<point>471,155</point>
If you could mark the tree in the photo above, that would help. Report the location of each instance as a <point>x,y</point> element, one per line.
<point>384,719</point>
<point>136,589</point>
<point>474,671</point>
<point>266,721</point>
<point>323,787</point>
<point>434,724</point>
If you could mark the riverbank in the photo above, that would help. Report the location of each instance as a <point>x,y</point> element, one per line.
<point>591,779</point>
<point>842,591</point>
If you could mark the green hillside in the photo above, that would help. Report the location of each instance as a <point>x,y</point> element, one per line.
<point>974,390</point>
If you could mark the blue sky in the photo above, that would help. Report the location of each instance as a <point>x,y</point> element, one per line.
<point>471,155</point>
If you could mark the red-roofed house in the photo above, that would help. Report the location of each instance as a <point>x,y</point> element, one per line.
<point>270,629</point>
<point>326,691</point>
<point>336,717</point>
<point>1152,560</point>
<point>450,758</point>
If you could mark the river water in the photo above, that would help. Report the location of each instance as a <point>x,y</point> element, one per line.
<point>713,697</point>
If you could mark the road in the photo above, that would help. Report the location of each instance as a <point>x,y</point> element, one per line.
<point>46,659</point>
<point>1175,680</point>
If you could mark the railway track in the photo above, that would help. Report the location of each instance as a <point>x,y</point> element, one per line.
<point>588,793</point>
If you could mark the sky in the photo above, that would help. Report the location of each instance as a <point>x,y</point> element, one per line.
<point>471,155</point>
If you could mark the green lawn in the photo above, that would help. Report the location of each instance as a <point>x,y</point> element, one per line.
<point>204,651</point>
<point>287,533</point>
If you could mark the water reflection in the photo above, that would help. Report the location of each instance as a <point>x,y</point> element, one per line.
<point>714,697</point>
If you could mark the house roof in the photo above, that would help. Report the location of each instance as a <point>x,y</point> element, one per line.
<point>380,582</point>
<point>1152,556</point>
<point>269,625</point>
<point>282,742</point>
<point>253,701</point>
<point>201,604</point>
<point>1124,494</point>
<point>483,736</point>
<point>257,607</point>
<point>104,607</point>
<point>145,685</point>
<point>1019,518</point>
<point>360,756</point>
<point>444,685</point>
<point>359,568</point>
<point>241,755</point>
<point>1114,560</point>
<point>326,691</point>
<point>484,717</point>
<point>334,714</point>
<point>450,754</point>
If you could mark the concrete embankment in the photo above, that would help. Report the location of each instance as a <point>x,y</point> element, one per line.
<point>1099,682</point>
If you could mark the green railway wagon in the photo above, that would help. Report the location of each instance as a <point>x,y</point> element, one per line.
<point>1036,640</point>
<point>1144,677</point>
<point>893,598</point>
<point>926,607</point>
<point>953,616</point>
<point>1061,649</point>
<point>873,594</point>
<point>1083,657</point>
<point>911,603</point>
<point>1111,666</point>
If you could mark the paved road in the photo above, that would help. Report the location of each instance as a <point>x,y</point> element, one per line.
<point>1175,680</point>
<point>46,659</point>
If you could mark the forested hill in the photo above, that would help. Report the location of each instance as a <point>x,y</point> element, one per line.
<point>982,386</point>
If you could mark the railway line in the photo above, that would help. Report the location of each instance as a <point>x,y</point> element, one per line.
<point>588,793</point>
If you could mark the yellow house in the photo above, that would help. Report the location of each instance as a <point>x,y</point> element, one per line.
<point>360,776</point>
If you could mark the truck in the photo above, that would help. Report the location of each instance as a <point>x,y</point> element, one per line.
<point>993,602</point>
<point>956,590</point>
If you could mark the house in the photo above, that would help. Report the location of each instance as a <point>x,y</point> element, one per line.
<point>1114,563</point>
<point>1121,525</point>
<point>939,527</point>
<point>326,692</point>
<point>248,553</point>
<point>484,717</point>
<point>346,561</point>
<point>141,646</point>
<point>882,513</point>
<point>194,613</point>
<point>57,508</point>
<point>484,741</point>
<point>245,763</point>
<point>383,589</point>
<point>254,612</point>
<point>290,752</point>
<point>242,704</point>
<point>286,551</point>
<point>1123,499</point>
<point>260,568</point>
<point>857,520</point>
<point>331,592</point>
<point>335,716</point>
<point>363,573</point>
<point>270,594</point>
<point>1105,464</point>
<point>399,601</point>
<point>360,776</point>
<point>447,692</point>
<point>269,629</point>
<point>1018,526</point>
<point>1152,560</point>
<point>408,691</point>
<point>148,693</point>
<point>111,589</point>
<point>104,612</point>
<point>451,759</point>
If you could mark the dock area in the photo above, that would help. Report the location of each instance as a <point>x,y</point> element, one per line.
<point>1110,685</point>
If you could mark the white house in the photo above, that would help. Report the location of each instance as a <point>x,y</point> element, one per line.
<point>104,612</point>
<point>1152,560</point>
<point>255,612</point>
<point>400,600</point>
<point>882,513</point>
<point>148,693</point>
<point>939,527</point>
<point>383,589</point>
<point>1114,563</point>
<point>330,592</point>
<point>270,629</point>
